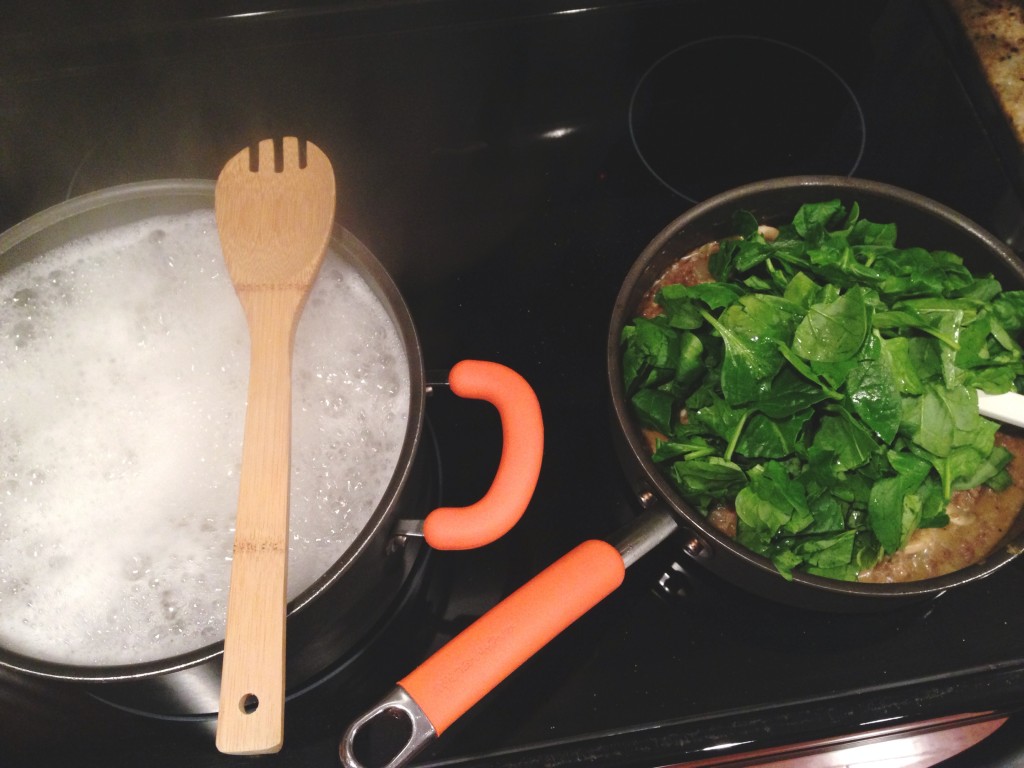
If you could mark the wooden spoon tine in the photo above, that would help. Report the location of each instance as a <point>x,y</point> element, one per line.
<point>274,223</point>
<point>263,215</point>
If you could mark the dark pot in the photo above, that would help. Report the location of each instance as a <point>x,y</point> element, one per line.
<point>445,686</point>
<point>921,222</point>
<point>345,602</point>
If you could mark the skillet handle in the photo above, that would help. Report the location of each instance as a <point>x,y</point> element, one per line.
<point>522,427</point>
<point>456,677</point>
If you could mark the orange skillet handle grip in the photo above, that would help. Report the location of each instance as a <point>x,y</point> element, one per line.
<point>462,672</point>
<point>516,478</point>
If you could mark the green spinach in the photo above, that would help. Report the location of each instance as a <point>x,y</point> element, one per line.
<point>827,385</point>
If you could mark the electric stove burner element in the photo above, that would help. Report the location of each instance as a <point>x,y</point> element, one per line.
<point>724,111</point>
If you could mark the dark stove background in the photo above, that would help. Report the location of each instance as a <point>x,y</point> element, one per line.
<point>484,154</point>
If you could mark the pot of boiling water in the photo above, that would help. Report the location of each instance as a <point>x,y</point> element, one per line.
<point>124,363</point>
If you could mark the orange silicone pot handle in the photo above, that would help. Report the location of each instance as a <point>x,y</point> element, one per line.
<point>516,477</point>
<point>462,672</point>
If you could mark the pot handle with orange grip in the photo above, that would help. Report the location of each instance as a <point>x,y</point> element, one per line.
<point>457,676</point>
<point>522,427</point>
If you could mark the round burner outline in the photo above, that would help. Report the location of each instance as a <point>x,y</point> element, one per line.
<point>861,121</point>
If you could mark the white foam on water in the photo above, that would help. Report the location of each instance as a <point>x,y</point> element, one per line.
<point>124,363</point>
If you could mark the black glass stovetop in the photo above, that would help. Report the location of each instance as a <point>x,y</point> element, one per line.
<point>507,162</point>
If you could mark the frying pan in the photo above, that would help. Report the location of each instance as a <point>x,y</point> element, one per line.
<point>445,686</point>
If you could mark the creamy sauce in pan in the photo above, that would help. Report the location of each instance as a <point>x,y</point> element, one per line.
<point>123,374</point>
<point>979,520</point>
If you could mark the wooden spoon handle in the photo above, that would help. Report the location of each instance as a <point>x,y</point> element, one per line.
<point>251,715</point>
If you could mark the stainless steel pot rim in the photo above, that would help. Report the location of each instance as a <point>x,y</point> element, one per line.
<point>348,246</point>
<point>640,275</point>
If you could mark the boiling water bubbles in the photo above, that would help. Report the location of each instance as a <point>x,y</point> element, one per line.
<point>123,373</point>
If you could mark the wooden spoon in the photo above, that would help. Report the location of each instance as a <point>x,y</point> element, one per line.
<point>275,208</point>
